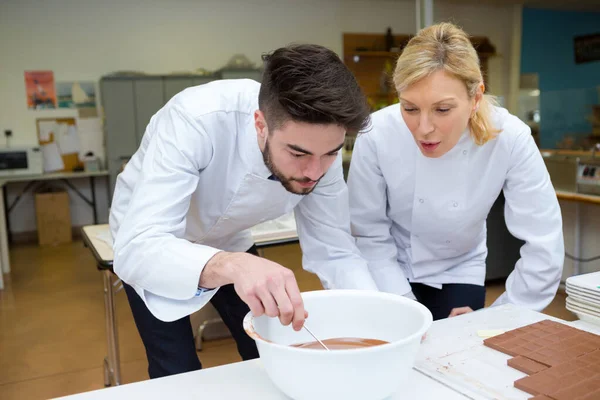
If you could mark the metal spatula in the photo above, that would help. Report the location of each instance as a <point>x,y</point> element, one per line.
<point>317,339</point>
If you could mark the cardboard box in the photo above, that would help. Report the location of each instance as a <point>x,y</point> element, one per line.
<point>53,216</point>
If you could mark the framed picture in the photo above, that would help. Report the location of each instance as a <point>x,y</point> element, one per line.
<point>39,89</point>
<point>76,94</point>
<point>587,48</point>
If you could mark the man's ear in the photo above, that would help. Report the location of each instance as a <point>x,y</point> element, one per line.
<point>260,124</point>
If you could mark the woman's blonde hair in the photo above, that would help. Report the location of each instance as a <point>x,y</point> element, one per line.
<point>447,47</point>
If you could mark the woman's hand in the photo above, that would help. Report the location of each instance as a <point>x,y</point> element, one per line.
<point>459,311</point>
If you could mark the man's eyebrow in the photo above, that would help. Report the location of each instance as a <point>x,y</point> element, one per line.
<point>301,150</point>
<point>336,149</point>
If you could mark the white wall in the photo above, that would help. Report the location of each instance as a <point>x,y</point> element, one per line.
<point>495,22</point>
<point>85,39</point>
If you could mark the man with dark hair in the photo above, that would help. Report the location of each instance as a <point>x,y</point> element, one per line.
<point>216,160</point>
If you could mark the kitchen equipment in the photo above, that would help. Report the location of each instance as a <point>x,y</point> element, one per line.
<point>316,338</point>
<point>588,177</point>
<point>563,171</point>
<point>26,160</point>
<point>576,174</point>
<point>583,296</point>
<point>372,373</point>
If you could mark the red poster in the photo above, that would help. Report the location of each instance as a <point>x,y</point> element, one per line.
<point>39,86</point>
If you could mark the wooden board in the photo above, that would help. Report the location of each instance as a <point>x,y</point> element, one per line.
<point>470,367</point>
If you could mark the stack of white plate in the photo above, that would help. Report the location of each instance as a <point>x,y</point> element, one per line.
<point>583,296</point>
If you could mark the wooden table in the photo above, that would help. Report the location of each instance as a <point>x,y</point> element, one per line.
<point>32,182</point>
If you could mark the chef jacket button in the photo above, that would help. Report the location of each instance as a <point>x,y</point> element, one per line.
<point>455,204</point>
<point>464,152</point>
<point>447,242</point>
<point>421,201</point>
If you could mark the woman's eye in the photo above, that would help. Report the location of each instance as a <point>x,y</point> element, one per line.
<point>409,110</point>
<point>443,110</point>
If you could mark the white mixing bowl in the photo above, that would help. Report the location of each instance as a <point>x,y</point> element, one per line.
<point>370,373</point>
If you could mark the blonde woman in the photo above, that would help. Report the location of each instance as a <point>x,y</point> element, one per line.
<point>424,178</point>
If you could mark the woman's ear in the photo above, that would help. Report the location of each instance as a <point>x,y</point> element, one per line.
<point>478,96</point>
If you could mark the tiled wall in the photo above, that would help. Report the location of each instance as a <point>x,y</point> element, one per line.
<point>567,90</point>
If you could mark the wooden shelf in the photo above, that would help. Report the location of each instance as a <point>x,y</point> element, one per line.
<point>374,65</point>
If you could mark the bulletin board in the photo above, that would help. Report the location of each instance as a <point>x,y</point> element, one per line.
<point>59,141</point>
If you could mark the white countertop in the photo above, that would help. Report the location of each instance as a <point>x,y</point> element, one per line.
<point>244,380</point>
<point>451,365</point>
<point>280,229</point>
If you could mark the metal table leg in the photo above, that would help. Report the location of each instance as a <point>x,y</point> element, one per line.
<point>200,334</point>
<point>93,189</point>
<point>4,235</point>
<point>113,365</point>
<point>577,240</point>
<point>106,372</point>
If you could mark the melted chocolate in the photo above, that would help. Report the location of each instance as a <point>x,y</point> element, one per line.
<point>341,344</point>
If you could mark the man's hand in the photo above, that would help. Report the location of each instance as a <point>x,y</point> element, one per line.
<point>459,311</point>
<point>267,287</point>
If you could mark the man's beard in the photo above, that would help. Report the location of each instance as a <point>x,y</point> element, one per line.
<point>285,181</point>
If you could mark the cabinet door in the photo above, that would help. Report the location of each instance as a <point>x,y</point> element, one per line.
<point>119,125</point>
<point>504,250</point>
<point>149,98</point>
<point>174,85</point>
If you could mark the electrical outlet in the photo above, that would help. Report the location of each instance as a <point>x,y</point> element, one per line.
<point>8,133</point>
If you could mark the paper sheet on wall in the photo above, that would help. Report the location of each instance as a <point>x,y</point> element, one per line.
<point>52,159</point>
<point>46,128</point>
<point>91,137</point>
<point>68,139</point>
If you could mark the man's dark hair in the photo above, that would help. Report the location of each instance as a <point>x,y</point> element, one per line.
<point>309,83</point>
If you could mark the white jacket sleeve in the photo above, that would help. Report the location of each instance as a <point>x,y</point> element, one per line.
<point>323,224</point>
<point>370,223</point>
<point>150,253</point>
<point>532,214</point>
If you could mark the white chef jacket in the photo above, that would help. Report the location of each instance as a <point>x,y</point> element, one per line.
<point>423,219</point>
<point>198,183</point>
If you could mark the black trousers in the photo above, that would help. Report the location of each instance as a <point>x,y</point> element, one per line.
<point>441,301</point>
<point>170,346</point>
